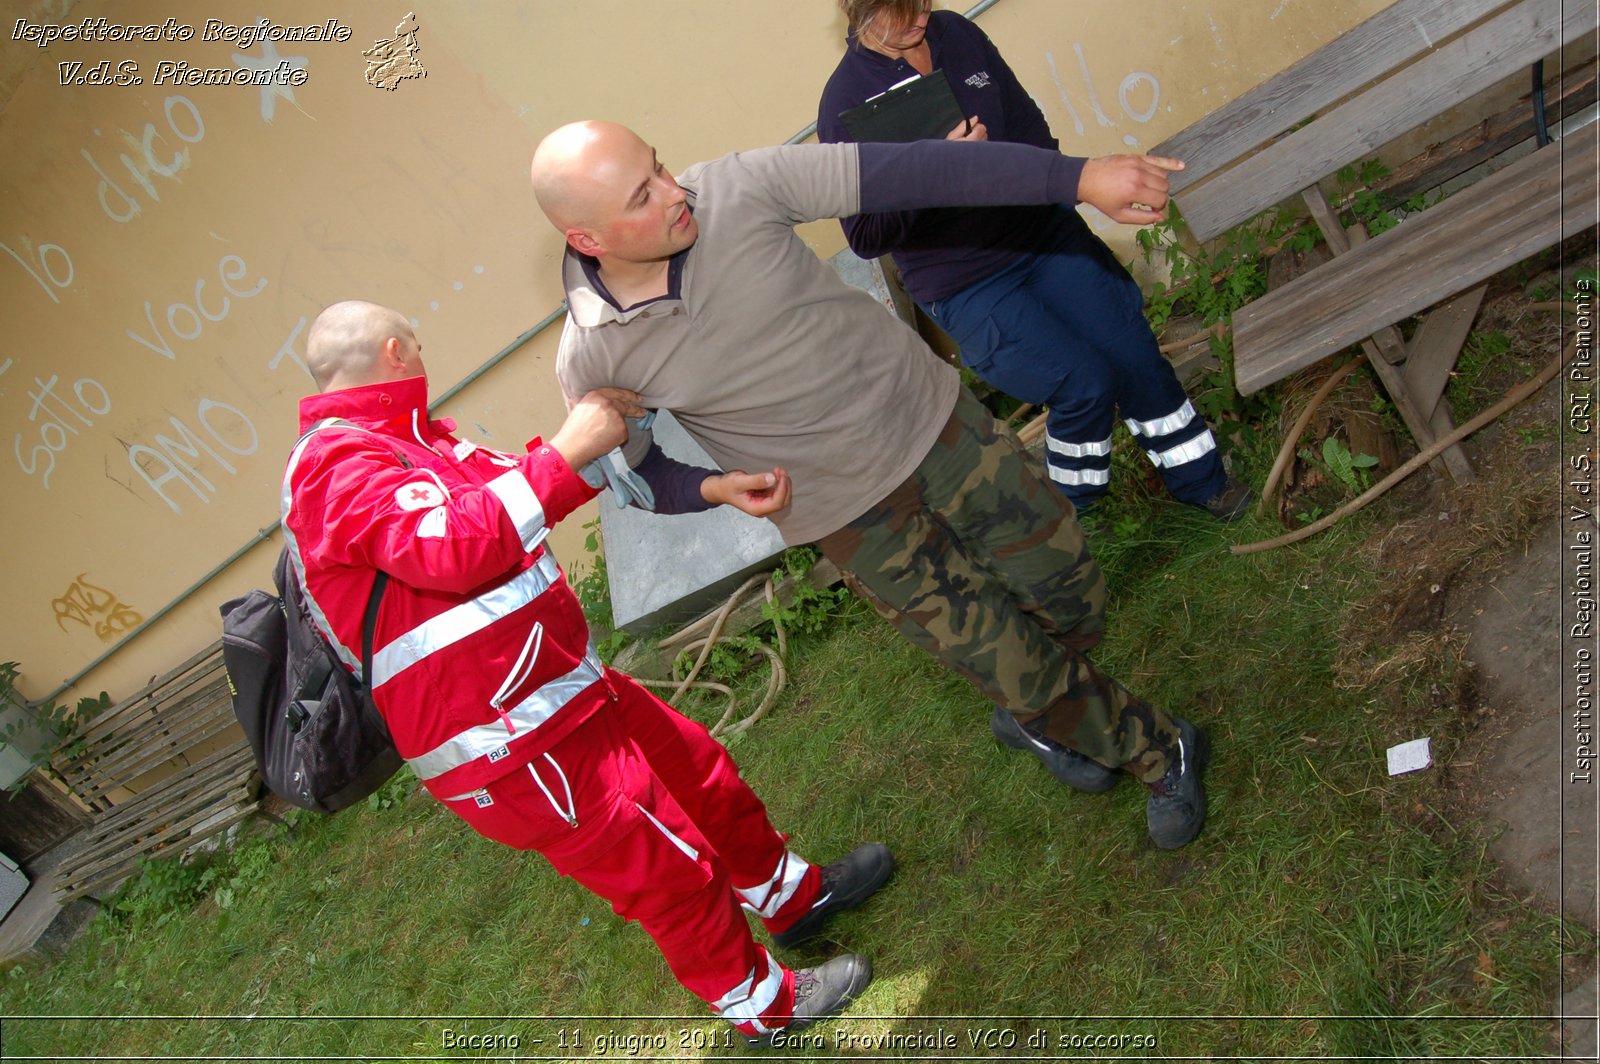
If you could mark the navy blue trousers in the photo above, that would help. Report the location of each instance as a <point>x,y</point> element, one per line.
<point>1064,327</point>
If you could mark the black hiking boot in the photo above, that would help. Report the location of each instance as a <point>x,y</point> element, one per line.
<point>846,883</point>
<point>820,992</point>
<point>1177,806</point>
<point>1070,767</point>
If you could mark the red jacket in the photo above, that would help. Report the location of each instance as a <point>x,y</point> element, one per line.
<point>481,655</point>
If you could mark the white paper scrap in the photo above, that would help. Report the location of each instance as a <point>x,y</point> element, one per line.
<point>1409,757</point>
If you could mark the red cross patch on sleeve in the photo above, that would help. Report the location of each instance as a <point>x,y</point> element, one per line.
<point>419,495</point>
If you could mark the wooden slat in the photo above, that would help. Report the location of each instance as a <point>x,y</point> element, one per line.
<point>1566,95</point>
<point>1430,86</point>
<point>118,725</point>
<point>149,834</point>
<point>166,723</point>
<point>110,872</point>
<point>160,740</point>
<point>1390,345</point>
<point>119,855</point>
<point>175,811</point>
<point>140,825</point>
<point>205,660</point>
<point>1528,206</point>
<point>178,786</point>
<point>1390,38</point>
<point>188,706</point>
<point>142,767</point>
<point>125,847</point>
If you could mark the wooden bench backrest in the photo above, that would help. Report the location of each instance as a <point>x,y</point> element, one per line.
<point>176,714</point>
<point>1389,39</point>
<point>1403,92</point>
<point>1502,219</point>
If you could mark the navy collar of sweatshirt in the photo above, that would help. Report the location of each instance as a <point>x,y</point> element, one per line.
<point>591,270</point>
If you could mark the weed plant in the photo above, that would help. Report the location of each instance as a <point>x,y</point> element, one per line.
<point>41,732</point>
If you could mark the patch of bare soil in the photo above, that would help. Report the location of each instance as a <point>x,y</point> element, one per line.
<point>1468,621</point>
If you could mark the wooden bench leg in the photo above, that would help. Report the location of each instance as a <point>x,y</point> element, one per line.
<point>1433,351</point>
<point>1386,351</point>
<point>288,828</point>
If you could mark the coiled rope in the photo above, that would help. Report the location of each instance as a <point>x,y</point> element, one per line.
<point>757,587</point>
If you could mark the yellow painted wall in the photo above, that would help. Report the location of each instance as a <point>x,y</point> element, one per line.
<point>162,248</point>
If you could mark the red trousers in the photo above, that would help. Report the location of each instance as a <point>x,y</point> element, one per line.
<point>643,807</point>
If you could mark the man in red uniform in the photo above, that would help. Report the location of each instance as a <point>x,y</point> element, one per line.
<point>483,669</point>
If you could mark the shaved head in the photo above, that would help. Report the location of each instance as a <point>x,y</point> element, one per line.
<point>355,342</point>
<point>614,201</point>
<point>576,167</point>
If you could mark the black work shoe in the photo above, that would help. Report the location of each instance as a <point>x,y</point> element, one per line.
<point>1070,767</point>
<point>1177,806</point>
<point>846,883</point>
<point>820,992</point>
<point>1232,502</point>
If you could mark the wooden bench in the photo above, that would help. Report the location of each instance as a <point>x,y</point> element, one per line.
<point>161,770</point>
<point>1404,66</point>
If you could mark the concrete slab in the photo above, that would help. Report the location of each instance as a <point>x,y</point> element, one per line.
<point>1578,1026</point>
<point>670,568</point>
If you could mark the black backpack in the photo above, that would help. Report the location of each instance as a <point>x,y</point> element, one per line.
<point>319,741</point>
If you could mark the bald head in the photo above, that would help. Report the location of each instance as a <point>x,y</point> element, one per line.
<point>578,168</point>
<point>354,343</point>
<point>603,187</point>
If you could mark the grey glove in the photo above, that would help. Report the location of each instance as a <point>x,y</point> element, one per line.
<point>612,470</point>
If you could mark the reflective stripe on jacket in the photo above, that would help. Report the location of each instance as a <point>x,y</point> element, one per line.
<point>481,657</point>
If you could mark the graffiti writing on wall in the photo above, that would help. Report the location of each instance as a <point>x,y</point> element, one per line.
<point>95,608</point>
<point>1138,94</point>
<point>62,409</point>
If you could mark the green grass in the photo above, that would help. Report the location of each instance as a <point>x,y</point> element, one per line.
<point>1325,910</point>
<point>1483,354</point>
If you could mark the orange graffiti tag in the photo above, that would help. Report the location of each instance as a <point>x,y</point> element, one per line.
<point>96,608</point>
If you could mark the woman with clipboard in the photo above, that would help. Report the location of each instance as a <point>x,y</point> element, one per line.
<point>1039,305</point>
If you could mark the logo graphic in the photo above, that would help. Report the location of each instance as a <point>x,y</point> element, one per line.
<point>391,62</point>
<point>979,80</point>
<point>418,495</point>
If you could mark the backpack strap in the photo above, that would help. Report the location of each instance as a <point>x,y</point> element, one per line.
<point>369,622</point>
<point>369,625</point>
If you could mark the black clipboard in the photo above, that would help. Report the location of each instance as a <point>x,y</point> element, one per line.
<point>923,109</point>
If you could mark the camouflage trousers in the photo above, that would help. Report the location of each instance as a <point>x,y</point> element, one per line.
<point>978,560</point>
